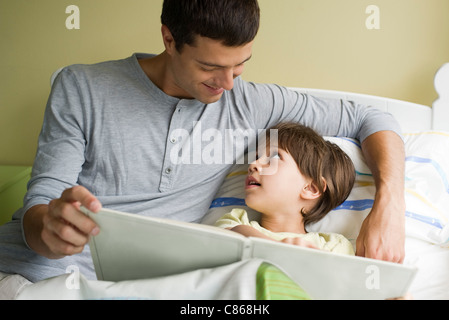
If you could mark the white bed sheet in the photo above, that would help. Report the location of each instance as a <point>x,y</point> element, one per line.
<point>236,281</point>
<point>432,261</point>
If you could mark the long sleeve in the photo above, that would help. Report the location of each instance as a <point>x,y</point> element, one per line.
<point>270,104</point>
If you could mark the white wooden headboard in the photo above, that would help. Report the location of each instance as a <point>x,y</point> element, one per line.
<point>411,116</point>
<point>441,105</point>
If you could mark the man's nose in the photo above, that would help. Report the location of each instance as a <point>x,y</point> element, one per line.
<point>226,79</point>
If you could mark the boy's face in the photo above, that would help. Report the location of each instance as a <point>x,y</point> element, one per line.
<point>206,69</point>
<point>274,183</point>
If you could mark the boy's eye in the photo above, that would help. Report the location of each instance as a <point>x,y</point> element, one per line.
<point>275,156</point>
<point>266,159</point>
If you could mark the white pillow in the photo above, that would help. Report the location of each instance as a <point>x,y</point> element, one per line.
<point>427,186</point>
<point>426,191</point>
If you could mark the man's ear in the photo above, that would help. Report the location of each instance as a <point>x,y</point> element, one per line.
<point>167,38</point>
<point>311,190</point>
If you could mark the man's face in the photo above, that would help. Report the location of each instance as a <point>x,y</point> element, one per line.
<point>206,69</point>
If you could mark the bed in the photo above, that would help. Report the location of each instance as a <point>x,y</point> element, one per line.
<point>426,137</point>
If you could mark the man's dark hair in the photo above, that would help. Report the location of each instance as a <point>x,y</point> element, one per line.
<point>233,22</point>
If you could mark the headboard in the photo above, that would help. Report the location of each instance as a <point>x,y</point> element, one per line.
<point>441,105</point>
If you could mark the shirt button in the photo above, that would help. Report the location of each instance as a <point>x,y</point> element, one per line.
<point>168,170</point>
<point>173,140</point>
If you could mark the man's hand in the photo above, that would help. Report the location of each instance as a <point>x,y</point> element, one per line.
<point>382,235</point>
<point>60,228</point>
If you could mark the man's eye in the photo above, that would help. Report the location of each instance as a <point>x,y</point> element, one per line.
<point>207,69</point>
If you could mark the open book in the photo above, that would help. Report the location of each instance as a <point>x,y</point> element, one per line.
<point>131,247</point>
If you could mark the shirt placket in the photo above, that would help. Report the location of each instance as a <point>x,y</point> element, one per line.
<point>169,168</point>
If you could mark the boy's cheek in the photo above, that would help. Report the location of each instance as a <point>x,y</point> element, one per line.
<point>270,170</point>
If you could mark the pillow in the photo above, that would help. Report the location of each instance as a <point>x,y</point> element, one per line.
<point>427,186</point>
<point>426,191</point>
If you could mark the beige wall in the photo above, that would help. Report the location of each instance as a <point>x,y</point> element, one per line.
<point>308,43</point>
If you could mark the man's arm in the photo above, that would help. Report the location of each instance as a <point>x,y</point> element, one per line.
<point>56,228</point>
<point>382,235</point>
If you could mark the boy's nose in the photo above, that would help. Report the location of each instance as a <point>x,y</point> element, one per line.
<point>254,166</point>
<point>251,167</point>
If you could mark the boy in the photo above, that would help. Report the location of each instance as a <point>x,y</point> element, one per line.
<point>302,179</point>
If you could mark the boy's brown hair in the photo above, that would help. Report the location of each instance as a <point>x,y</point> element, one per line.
<point>317,159</point>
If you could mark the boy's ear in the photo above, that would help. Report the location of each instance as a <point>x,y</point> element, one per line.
<point>311,190</point>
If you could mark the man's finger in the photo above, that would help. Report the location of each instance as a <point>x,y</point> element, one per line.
<point>59,247</point>
<point>83,196</point>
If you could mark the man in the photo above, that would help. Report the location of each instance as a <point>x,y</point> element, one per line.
<point>109,136</point>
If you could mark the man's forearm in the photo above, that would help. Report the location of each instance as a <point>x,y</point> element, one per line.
<point>382,235</point>
<point>385,155</point>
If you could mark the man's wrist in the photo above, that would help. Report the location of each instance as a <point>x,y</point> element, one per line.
<point>32,229</point>
<point>388,197</point>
